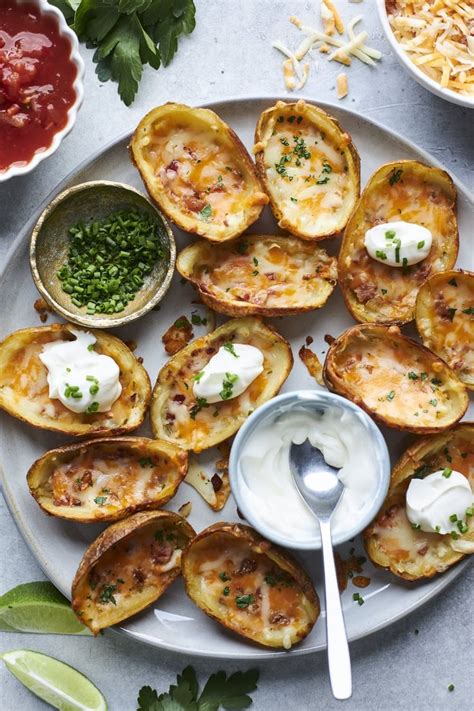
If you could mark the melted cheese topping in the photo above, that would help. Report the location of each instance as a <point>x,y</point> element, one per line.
<point>266,272</point>
<point>307,174</point>
<point>386,293</point>
<point>398,381</point>
<point>414,552</point>
<point>140,564</point>
<point>198,172</point>
<point>108,479</point>
<point>445,320</point>
<point>23,382</point>
<point>249,592</point>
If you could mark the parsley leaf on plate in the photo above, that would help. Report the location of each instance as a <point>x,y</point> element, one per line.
<point>127,34</point>
<point>220,691</point>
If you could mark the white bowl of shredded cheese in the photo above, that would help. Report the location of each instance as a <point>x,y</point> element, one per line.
<point>434,41</point>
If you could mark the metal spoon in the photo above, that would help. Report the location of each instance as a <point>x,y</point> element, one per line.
<point>321,489</point>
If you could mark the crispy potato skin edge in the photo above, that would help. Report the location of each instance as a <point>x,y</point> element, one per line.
<point>404,469</point>
<point>175,214</point>
<point>335,383</point>
<point>112,346</point>
<point>355,308</point>
<point>315,113</point>
<point>36,476</point>
<point>258,544</point>
<point>108,538</point>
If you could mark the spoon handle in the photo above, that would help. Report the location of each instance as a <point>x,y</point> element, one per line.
<point>339,660</point>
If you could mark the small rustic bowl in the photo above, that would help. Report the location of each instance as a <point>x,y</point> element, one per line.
<point>50,244</point>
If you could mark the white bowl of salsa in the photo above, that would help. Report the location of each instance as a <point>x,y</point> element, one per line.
<point>41,87</point>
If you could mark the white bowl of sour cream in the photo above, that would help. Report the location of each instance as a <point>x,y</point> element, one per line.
<point>262,483</point>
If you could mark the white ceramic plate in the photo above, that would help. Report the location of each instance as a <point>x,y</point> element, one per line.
<point>174,623</point>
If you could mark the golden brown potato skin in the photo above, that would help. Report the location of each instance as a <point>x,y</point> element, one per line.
<point>126,452</point>
<point>404,190</point>
<point>445,320</point>
<point>390,541</point>
<point>286,123</point>
<point>129,542</point>
<point>246,539</point>
<point>399,382</point>
<point>205,182</point>
<point>260,275</point>
<point>128,412</point>
<point>173,413</point>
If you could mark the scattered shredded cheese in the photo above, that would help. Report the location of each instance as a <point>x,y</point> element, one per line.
<point>438,37</point>
<point>337,18</point>
<point>342,85</point>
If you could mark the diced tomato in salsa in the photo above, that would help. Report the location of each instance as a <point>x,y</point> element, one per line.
<point>36,82</point>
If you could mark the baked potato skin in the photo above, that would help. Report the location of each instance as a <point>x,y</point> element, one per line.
<point>174,412</point>
<point>260,275</point>
<point>394,379</point>
<point>445,320</point>
<point>250,543</point>
<point>19,356</point>
<point>72,494</point>
<point>286,123</point>
<point>219,205</point>
<point>390,541</point>
<point>404,190</point>
<point>126,555</point>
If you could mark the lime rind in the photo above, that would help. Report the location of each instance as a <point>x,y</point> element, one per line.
<point>57,683</point>
<point>38,608</point>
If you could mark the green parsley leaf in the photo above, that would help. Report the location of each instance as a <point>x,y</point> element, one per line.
<point>243,601</point>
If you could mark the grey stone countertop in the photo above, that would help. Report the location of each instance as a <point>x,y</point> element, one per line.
<point>411,663</point>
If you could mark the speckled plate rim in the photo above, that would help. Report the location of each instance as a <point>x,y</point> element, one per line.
<point>436,585</point>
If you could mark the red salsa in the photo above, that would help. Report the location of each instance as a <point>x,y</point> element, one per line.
<point>36,82</point>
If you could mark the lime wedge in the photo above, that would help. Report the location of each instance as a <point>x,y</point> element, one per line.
<point>57,683</point>
<point>38,607</point>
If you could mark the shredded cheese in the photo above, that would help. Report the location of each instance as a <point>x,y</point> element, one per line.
<point>439,39</point>
<point>337,18</point>
<point>342,85</point>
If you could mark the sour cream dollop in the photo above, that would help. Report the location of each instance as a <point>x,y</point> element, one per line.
<point>83,380</point>
<point>434,501</point>
<point>229,372</point>
<point>268,487</point>
<point>398,244</point>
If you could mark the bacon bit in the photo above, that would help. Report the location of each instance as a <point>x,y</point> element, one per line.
<point>174,165</point>
<point>42,308</point>
<point>177,336</point>
<point>194,203</point>
<point>311,361</point>
<point>83,483</point>
<point>329,339</point>
<point>179,398</point>
<point>361,581</point>
<point>442,308</point>
<point>140,359</point>
<point>279,618</point>
<point>216,482</point>
<point>139,576</point>
<point>423,551</point>
<point>161,553</point>
<point>309,340</point>
<point>132,345</point>
<point>423,272</point>
<point>185,509</point>
<point>67,500</point>
<point>365,291</point>
<point>248,565</point>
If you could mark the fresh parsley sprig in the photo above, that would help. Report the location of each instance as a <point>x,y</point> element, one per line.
<point>228,692</point>
<point>127,34</point>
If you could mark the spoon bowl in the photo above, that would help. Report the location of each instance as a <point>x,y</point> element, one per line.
<point>316,480</point>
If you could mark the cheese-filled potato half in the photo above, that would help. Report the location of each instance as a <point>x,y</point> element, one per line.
<point>107,479</point>
<point>250,586</point>
<point>406,191</point>
<point>177,416</point>
<point>310,169</point>
<point>399,382</point>
<point>129,566</point>
<point>197,171</point>
<point>445,320</point>
<point>24,391</point>
<point>391,541</point>
<point>260,275</point>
